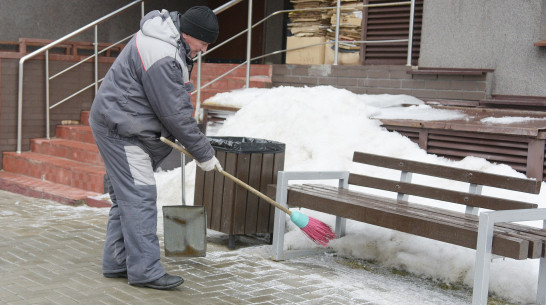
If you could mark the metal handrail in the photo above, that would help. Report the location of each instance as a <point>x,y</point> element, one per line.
<point>218,10</point>
<point>338,9</point>
<point>92,56</point>
<point>225,6</point>
<point>45,49</point>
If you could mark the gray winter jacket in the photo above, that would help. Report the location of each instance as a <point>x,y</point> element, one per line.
<point>146,92</point>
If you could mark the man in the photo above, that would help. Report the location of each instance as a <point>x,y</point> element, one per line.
<point>146,95</point>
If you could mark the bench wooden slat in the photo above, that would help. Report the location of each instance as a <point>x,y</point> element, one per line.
<point>481,178</point>
<point>398,217</point>
<point>464,198</point>
<point>526,230</point>
<point>536,241</point>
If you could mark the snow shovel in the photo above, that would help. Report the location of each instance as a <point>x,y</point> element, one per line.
<point>185,227</point>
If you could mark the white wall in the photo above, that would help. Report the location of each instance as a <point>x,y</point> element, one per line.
<point>497,34</point>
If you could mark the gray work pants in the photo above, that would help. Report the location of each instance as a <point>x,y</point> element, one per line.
<point>131,238</point>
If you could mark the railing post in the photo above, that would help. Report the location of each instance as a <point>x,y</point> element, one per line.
<point>248,44</point>
<point>96,43</point>
<point>336,43</point>
<point>198,97</point>
<point>541,286</point>
<point>47,92</point>
<point>142,9</point>
<point>410,35</point>
<point>20,107</point>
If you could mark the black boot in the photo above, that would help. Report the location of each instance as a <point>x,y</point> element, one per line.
<point>167,281</point>
<point>115,275</point>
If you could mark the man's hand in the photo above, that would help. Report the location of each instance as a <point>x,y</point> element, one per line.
<point>210,165</point>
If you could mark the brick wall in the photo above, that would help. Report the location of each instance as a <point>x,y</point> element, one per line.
<point>383,79</point>
<point>34,101</point>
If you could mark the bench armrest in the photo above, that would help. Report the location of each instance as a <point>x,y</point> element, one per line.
<point>281,196</point>
<point>285,176</point>
<point>484,247</point>
<point>514,215</point>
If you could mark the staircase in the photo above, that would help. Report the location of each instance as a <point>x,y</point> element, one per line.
<point>68,168</point>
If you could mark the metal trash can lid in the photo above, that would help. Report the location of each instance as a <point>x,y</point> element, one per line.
<point>246,145</point>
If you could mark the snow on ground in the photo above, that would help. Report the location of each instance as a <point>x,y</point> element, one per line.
<point>321,127</point>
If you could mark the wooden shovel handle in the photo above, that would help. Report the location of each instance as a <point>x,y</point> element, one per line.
<point>230,176</point>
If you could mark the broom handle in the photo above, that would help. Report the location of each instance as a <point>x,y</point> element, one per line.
<point>230,176</point>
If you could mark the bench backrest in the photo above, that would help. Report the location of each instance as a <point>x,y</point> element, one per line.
<point>469,199</point>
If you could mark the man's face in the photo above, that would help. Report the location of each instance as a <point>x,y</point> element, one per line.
<point>195,44</point>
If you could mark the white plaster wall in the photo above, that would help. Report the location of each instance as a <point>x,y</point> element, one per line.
<point>496,34</point>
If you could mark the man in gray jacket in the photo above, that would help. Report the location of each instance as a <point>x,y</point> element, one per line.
<point>146,95</point>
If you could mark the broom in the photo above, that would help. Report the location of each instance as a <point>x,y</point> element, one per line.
<point>315,229</point>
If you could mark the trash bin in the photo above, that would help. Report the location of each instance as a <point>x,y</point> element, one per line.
<point>231,209</point>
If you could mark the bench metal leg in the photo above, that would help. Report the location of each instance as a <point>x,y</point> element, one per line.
<point>483,260</point>
<point>541,287</point>
<point>277,251</point>
<point>340,221</point>
<point>340,226</point>
<point>280,219</point>
<point>485,244</point>
<point>278,236</point>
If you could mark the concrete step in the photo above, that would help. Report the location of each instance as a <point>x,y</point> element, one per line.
<point>80,133</point>
<point>68,149</point>
<point>84,117</point>
<point>57,170</point>
<point>38,188</point>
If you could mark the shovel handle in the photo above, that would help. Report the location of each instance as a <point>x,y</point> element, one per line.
<point>230,176</point>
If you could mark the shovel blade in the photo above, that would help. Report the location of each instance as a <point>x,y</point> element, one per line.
<point>185,230</point>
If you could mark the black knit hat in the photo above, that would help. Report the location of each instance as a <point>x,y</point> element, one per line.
<point>200,22</point>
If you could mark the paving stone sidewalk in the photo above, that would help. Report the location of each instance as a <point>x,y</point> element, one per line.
<point>51,254</point>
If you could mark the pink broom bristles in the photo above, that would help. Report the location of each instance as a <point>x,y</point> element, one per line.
<point>318,231</point>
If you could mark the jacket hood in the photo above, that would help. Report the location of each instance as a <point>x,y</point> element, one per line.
<point>160,25</point>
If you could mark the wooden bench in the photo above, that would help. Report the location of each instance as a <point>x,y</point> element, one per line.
<point>492,232</point>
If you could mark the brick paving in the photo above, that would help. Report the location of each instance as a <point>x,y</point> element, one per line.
<point>51,254</point>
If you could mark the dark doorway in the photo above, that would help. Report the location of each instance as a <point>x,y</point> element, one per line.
<point>233,21</point>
